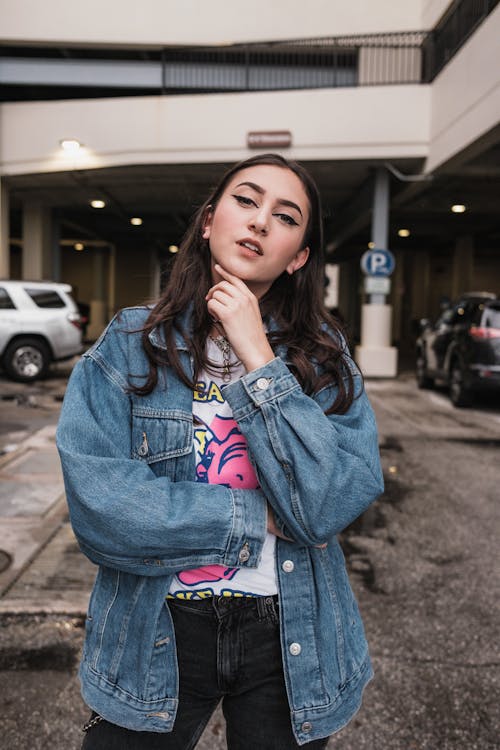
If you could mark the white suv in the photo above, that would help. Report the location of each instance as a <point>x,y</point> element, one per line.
<point>39,323</point>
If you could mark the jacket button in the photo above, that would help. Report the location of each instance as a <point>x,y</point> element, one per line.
<point>295,649</point>
<point>262,383</point>
<point>288,566</point>
<point>244,554</point>
<point>306,727</point>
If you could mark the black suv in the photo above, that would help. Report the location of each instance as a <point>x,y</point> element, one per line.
<point>462,349</point>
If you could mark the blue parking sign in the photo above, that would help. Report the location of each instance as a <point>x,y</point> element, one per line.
<point>378,262</point>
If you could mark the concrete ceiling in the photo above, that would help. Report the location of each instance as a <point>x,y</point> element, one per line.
<point>165,196</point>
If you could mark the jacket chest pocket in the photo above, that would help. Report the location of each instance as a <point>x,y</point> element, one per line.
<point>163,438</point>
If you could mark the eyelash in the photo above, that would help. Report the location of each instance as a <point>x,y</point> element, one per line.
<point>286,218</point>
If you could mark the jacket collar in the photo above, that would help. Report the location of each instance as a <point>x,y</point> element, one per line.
<point>157,335</point>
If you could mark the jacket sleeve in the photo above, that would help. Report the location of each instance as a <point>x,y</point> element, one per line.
<point>126,517</point>
<point>318,472</point>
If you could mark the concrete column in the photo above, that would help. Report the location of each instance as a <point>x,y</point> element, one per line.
<point>37,242</point>
<point>98,302</point>
<point>112,282</point>
<point>154,274</point>
<point>4,231</point>
<point>375,355</point>
<point>56,249</point>
<point>463,266</point>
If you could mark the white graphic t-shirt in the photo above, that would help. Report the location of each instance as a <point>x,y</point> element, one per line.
<point>222,458</point>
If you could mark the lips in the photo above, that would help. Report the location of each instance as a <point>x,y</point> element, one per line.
<point>252,245</point>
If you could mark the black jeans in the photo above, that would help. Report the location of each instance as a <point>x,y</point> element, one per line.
<point>228,649</point>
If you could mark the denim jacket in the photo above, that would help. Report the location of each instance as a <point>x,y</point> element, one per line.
<point>139,514</point>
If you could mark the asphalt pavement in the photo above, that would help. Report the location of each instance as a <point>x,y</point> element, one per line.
<point>423,562</point>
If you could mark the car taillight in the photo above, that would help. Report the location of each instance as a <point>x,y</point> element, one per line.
<point>76,320</point>
<point>482,333</point>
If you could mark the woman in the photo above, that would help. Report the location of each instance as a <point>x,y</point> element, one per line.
<point>212,447</point>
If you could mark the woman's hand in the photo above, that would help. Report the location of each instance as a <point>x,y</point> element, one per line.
<point>272,527</point>
<point>232,303</point>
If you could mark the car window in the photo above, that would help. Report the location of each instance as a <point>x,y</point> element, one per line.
<point>5,301</point>
<point>45,297</point>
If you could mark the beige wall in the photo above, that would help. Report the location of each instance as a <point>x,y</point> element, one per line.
<point>466,94</point>
<point>351,123</point>
<point>161,22</point>
<point>432,10</point>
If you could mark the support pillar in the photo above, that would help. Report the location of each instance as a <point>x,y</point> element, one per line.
<point>4,231</point>
<point>56,249</point>
<point>37,243</point>
<point>375,355</point>
<point>463,266</point>
<point>98,311</point>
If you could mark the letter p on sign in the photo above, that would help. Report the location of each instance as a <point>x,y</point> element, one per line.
<point>378,262</point>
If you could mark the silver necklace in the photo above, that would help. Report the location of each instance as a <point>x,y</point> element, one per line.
<point>223,344</point>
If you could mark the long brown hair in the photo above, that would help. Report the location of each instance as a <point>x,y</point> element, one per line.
<point>316,352</point>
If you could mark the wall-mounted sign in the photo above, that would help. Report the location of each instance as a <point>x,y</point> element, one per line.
<point>377,285</point>
<point>378,262</point>
<point>269,139</point>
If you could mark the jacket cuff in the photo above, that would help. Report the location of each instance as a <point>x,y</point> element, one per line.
<point>249,530</point>
<point>259,386</point>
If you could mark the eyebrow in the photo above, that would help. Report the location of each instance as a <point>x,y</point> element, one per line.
<point>261,191</point>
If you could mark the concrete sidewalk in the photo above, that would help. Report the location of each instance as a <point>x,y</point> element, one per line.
<point>35,537</point>
<point>43,570</point>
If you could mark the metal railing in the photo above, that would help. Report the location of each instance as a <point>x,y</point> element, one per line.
<point>298,64</point>
<point>444,41</point>
<point>329,62</point>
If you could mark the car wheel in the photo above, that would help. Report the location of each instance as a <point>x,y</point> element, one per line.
<point>460,395</point>
<point>26,359</point>
<point>423,380</point>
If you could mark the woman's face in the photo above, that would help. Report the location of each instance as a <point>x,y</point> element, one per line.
<point>257,229</point>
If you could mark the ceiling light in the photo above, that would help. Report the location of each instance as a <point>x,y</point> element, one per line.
<point>371,245</point>
<point>458,208</point>
<point>173,249</point>
<point>79,246</point>
<point>70,144</point>
<point>136,221</point>
<point>97,204</point>
<point>404,232</point>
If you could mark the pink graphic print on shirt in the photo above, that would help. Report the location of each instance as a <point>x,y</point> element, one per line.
<point>224,461</point>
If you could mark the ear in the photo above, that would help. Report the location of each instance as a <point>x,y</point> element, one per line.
<point>207,224</point>
<point>299,260</point>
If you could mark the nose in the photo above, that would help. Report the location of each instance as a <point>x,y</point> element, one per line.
<point>259,223</point>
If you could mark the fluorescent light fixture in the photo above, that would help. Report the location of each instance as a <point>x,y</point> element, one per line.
<point>79,246</point>
<point>458,208</point>
<point>173,249</point>
<point>404,232</point>
<point>70,144</point>
<point>136,221</point>
<point>97,203</point>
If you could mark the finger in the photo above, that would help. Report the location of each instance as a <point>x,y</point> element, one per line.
<point>232,279</point>
<point>225,286</point>
<point>218,310</point>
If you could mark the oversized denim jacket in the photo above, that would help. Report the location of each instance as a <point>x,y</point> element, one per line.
<point>139,514</point>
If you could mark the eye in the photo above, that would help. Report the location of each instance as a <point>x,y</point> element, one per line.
<point>244,201</point>
<point>287,219</point>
